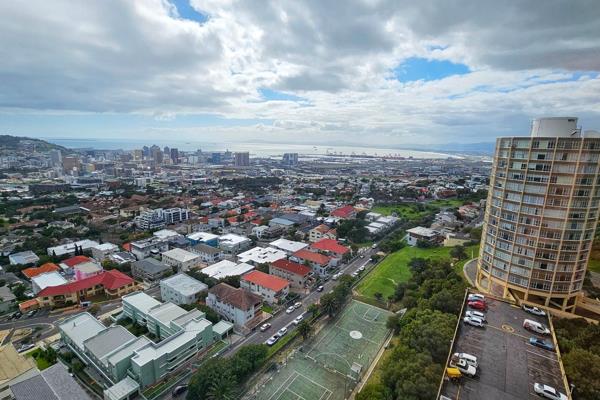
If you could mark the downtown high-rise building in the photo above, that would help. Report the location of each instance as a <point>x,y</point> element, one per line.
<point>242,159</point>
<point>541,214</point>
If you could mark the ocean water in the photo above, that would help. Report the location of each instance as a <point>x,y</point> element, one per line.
<point>255,149</point>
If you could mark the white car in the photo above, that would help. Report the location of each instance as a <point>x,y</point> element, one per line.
<point>25,347</point>
<point>264,327</point>
<point>473,321</point>
<point>361,269</point>
<point>272,340</point>
<point>469,358</point>
<point>534,310</point>
<point>354,274</point>
<point>297,305</point>
<point>282,331</point>
<point>298,319</point>
<point>290,309</point>
<point>476,297</point>
<point>548,392</point>
<point>464,367</point>
<point>476,314</point>
<point>536,327</point>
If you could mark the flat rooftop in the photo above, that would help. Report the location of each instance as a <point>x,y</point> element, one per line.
<point>81,327</point>
<point>184,284</point>
<point>508,364</point>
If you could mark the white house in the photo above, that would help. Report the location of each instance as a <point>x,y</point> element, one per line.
<point>181,289</point>
<point>183,260</point>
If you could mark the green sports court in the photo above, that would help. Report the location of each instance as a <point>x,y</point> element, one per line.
<point>328,366</point>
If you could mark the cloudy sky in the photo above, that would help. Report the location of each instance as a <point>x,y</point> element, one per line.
<point>378,73</point>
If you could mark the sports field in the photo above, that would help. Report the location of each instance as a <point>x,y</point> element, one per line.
<point>328,366</point>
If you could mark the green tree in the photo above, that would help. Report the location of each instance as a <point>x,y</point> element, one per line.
<point>304,329</point>
<point>458,252</point>
<point>583,368</point>
<point>428,332</point>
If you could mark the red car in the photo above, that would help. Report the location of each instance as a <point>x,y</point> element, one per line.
<point>478,305</point>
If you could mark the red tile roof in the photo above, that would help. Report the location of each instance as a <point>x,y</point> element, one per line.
<point>291,267</point>
<point>259,278</point>
<point>73,261</point>
<point>343,212</point>
<point>312,257</point>
<point>47,267</point>
<point>330,245</point>
<point>111,280</point>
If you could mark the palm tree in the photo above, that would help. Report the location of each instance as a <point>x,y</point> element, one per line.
<point>329,304</point>
<point>305,329</point>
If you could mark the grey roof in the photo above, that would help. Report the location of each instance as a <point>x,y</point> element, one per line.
<point>184,284</point>
<point>108,340</point>
<point>206,249</point>
<point>151,265</point>
<point>54,383</point>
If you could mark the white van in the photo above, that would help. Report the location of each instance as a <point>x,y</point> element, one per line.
<point>470,359</point>
<point>536,327</point>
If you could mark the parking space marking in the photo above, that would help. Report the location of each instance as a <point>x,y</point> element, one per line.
<point>542,355</point>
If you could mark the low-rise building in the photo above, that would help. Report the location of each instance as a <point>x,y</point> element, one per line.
<point>288,246</point>
<point>318,262</point>
<point>226,268</point>
<point>102,251</point>
<point>235,304</point>
<point>320,232</point>
<point>151,247</point>
<point>71,248</point>
<point>261,255</point>
<point>86,269</point>
<point>203,237</point>
<point>296,274</point>
<point>42,269</point>
<point>23,258</point>
<point>122,257</point>
<point>419,233</point>
<point>233,244</point>
<point>271,288</point>
<point>181,259</point>
<point>47,279</point>
<point>111,283</point>
<point>150,270</point>
<point>181,289</point>
<point>207,253</point>
<point>346,212</point>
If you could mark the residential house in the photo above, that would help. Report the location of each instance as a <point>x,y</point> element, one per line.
<point>296,274</point>
<point>225,268</point>
<point>237,305</point>
<point>318,262</point>
<point>102,251</point>
<point>181,259</point>
<point>331,248</point>
<point>207,253</point>
<point>419,233</point>
<point>271,288</point>
<point>71,248</point>
<point>150,270</point>
<point>346,212</point>
<point>23,258</point>
<point>288,246</point>
<point>261,255</point>
<point>151,247</point>
<point>181,289</point>
<point>320,232</point>
<point>233,244</point>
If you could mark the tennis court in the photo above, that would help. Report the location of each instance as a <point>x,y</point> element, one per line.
<point>328,366</point>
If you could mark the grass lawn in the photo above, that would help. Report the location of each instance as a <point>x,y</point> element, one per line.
<point>594,264</point>
<point>41,362</point>
<point>394,269</point>
<point>414,211</point>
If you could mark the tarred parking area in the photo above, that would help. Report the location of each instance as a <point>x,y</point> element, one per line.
<point>508,364</point>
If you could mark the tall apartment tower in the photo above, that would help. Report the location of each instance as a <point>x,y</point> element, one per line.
<point>541,214</point>
<point>242,159</point>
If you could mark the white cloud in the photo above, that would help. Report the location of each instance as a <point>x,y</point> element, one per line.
<point>125,56</point>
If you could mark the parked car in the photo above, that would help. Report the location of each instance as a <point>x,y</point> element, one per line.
<point>361,268</point>
<point>264,327</point>
<point>320,288</point>
<point>478,305</point>
<point>541,343</point>
<point>469,358</point>
<point>533,310</point>
<point>473,321</point>
<point>272,340</point>
<point>31,313</point>
<point>290,309</point>
<point>475,297</point>
<point>536,327</point>
<point>476,314</point>
<point>297,305</point>
<point>179,390</point>
<point>25,347</point>
<point>282,331</point>
<point>463,367</point>
<point>298,319</point>
<point>17,315</point>
<point>354,274</point>
<point>548,392</point>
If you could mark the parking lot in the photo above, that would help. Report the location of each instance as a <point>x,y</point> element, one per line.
<point>508,365</point>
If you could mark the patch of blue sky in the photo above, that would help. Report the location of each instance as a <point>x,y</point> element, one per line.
<point>273,95</point>
<point>186,11</point>
<point>417,68</point>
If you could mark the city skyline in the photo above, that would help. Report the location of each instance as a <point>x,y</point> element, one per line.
<point>381,73</point>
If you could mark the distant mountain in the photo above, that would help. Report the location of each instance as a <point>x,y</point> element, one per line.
<point>8,142</point>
